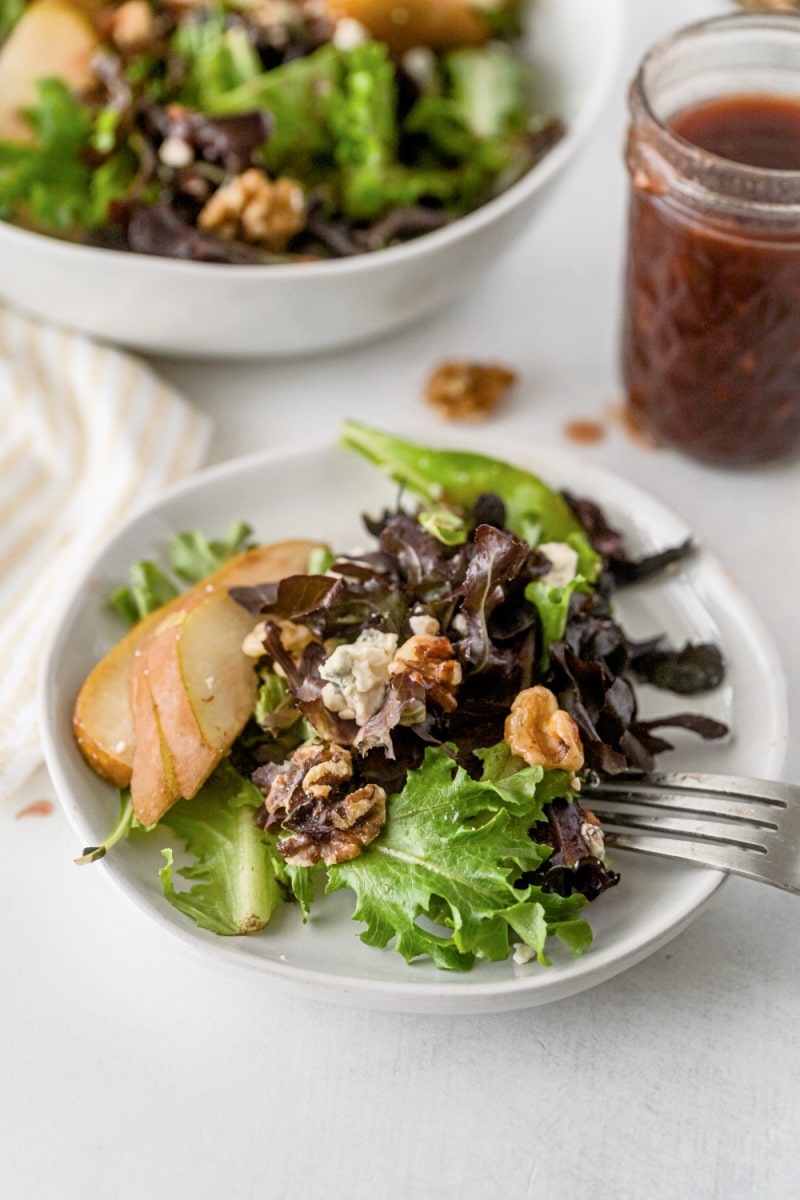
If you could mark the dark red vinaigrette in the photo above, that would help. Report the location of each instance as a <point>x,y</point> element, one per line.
<point>711,344</point>
<point>757,131</point>
<point>39,808</point>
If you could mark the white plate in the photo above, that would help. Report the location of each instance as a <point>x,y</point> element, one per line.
<point>319,493</point>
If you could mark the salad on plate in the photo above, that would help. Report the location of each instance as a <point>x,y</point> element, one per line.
<point>261,131</point>
<point>412,720</point>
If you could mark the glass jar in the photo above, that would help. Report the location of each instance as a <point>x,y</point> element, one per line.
<point>711,339</point>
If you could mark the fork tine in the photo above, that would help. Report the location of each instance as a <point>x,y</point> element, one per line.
<point>702,856</point>
<point>748,826</point>
<point>761,816</point>
<point>706,854</point>
<point>703,831</point>
<point>757,791</point>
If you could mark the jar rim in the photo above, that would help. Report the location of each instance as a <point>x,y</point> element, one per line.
<point>693,178</point>
<point>690,151</point>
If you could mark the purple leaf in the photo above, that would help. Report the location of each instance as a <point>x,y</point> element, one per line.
<point>497,559</point>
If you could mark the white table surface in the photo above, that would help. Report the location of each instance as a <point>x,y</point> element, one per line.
<point>130,1070</point>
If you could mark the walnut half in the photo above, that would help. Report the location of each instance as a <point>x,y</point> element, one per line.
<point>254,208</point>
<point>294,638</point>
<point>542,733</point>
<point>309,799</point>
<point>427,659</point>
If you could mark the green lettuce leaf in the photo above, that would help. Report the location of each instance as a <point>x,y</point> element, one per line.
<point>364,128</point>
<point>459,477</point>
<point>479,114</point>
<point>217,58</point>
<point>237,870</point>
<point>301,882</point>
<point>10,13</point>
<point>299,96</point>
<point>552,603</point>
<point>445,525</point>
<point>278,727</point>
<point>363,122</point>
<point>148,589</point>
<point>122,828</point>
<point>488,87</point>
<point>273,692</point>
<point>515,782</point>
<point>320,560</point>
<point>506,19</point>
<point>50,182</point>
<point>448,857</point>
<point>192,557</point>
<point>335,125</point>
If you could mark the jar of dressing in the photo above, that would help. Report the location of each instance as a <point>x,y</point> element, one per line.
<point>711,338</point>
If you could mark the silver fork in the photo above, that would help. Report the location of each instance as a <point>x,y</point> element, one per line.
<point>747,826</point>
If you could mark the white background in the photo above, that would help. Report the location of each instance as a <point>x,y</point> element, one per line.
<point>130,1070</point>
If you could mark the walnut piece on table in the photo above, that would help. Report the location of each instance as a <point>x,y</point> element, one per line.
<point>309,799</point>
<point>467,391</point>
<point>253,208</point>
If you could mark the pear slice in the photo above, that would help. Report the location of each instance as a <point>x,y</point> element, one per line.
<point>201,688</point>
<point>52,39</point>
<point>440,24</point>
<point>102,721</point>
<point>157,787</point>
<point>218,677</point>
<point>190,759</point>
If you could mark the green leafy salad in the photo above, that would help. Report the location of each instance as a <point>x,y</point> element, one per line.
<point>412,723</point>
<point>258,131</point>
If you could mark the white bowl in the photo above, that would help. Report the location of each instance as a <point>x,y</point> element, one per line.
<point>165,306</point>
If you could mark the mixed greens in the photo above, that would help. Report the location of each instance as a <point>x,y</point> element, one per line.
<point>256,131</point>
<point>426,714</point>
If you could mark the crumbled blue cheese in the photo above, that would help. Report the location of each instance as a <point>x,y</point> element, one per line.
<point>420,64</point>
<point>459,623</point>
<point>422,624</point>
<point>523,954</point>
<point>175,152</point>
<point>564,560</point>
<point>349,33</point>
<point>595,842</point>
<point>357,675</point>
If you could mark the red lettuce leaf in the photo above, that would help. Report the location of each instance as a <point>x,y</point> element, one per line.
<point>497,558</point>
<point>698,667</point>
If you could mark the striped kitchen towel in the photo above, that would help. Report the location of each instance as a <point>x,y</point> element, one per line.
<point>87,435</point>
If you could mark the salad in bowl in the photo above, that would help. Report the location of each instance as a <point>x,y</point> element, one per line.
<point>275,179</point>
<point>411,721</point>
<point>252,132</point>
